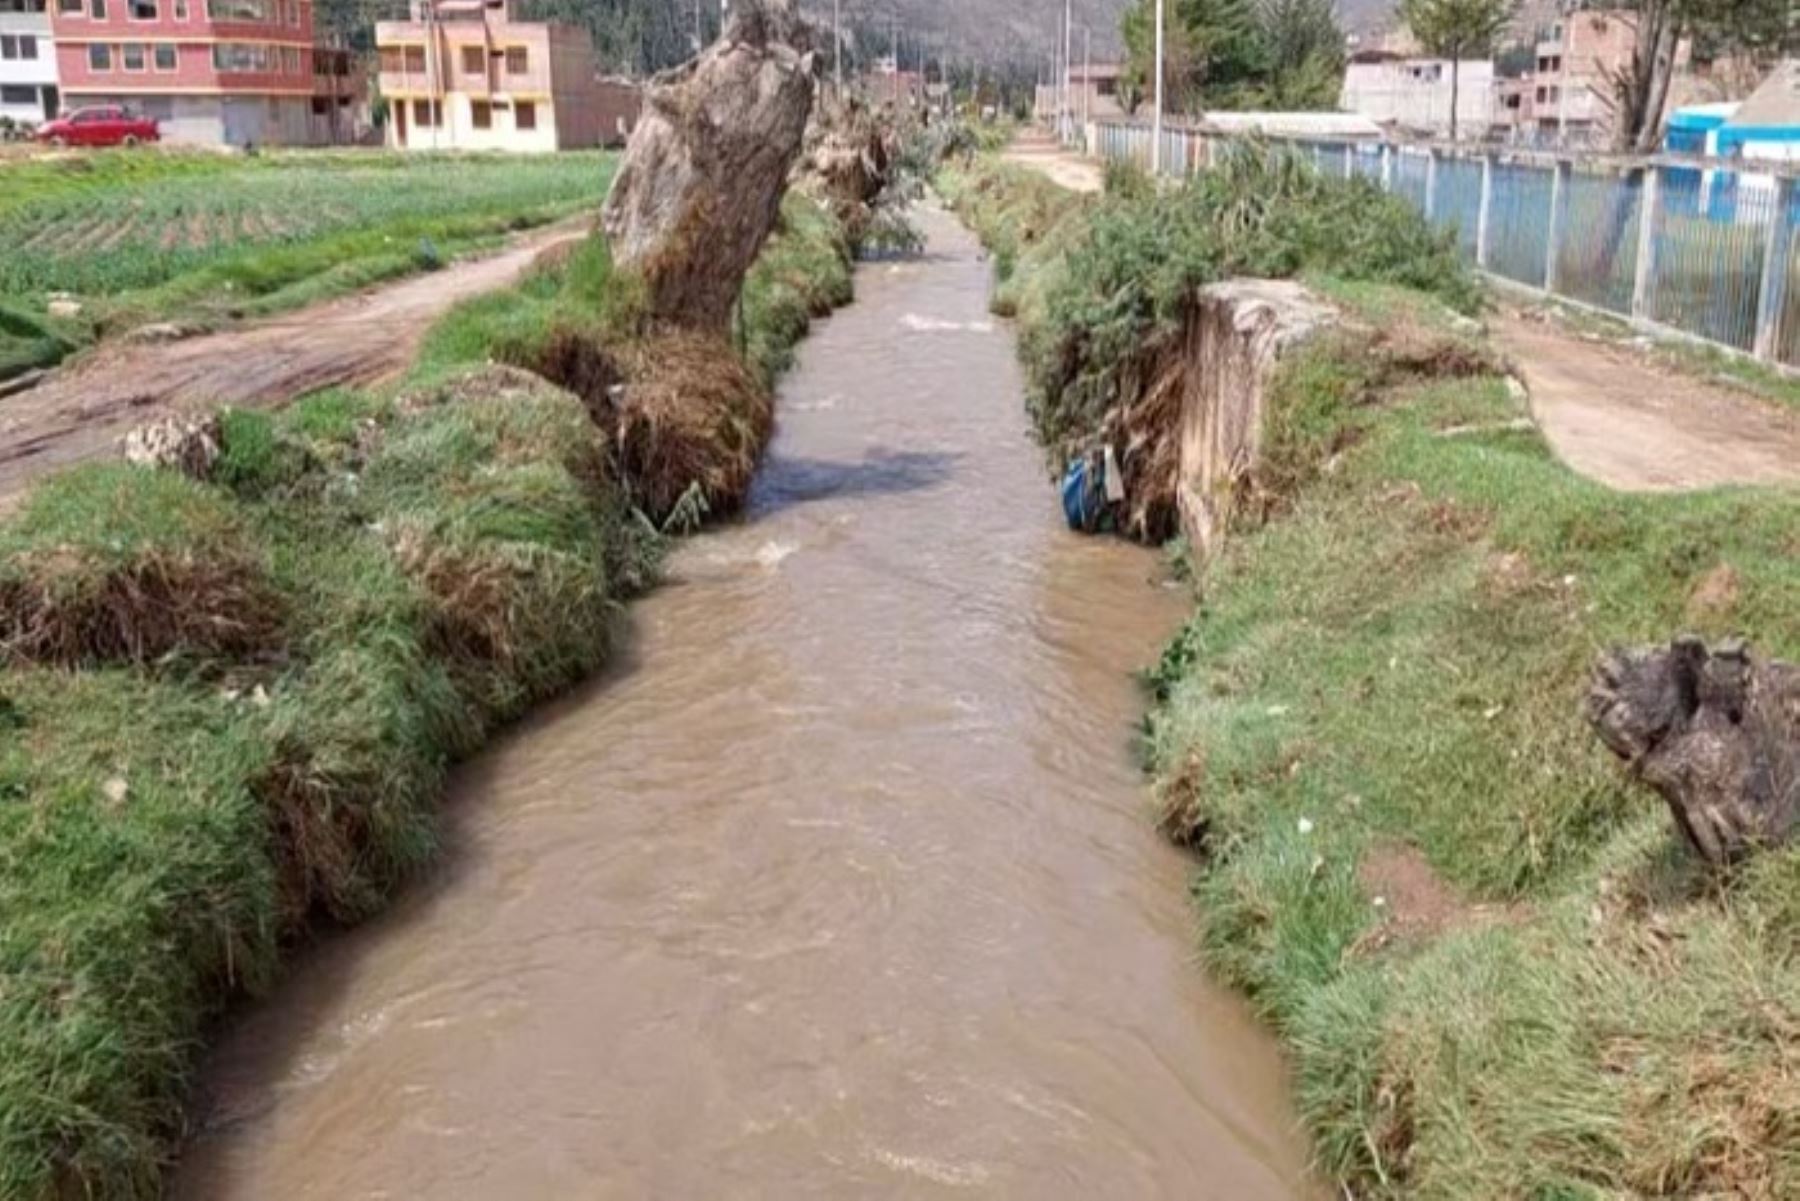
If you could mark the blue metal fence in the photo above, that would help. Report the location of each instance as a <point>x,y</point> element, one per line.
<point>1702,249</point>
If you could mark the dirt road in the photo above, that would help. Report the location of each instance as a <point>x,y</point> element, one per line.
<point>1621,421</point>
<point>1041,152</point>
<point>82,412</point>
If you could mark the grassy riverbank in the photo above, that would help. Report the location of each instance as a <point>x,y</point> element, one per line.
<point>1497,971</point>
<point>145,235</point>
<point>227,706</point>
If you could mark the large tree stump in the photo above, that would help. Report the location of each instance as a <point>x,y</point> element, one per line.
<point>701,183</point>
<point>849,161</point>
<point>1716,733</point>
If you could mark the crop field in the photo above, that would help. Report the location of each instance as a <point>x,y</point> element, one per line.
<point>100,227</point>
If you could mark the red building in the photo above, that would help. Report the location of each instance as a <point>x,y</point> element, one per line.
<point>239,72</point>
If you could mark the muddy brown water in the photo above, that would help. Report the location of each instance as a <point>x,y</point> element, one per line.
<point>840,884</point>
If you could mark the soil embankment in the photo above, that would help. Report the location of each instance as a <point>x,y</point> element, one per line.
<point>839,884</point>
<point>82,411</point>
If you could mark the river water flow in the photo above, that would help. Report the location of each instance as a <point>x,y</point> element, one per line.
<point>840,884</point>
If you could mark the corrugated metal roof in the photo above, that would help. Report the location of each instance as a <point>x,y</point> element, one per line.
<point>1776,103</point>
<point>1303,125</point>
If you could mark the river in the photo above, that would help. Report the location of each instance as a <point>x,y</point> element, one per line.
<point>840,883</point>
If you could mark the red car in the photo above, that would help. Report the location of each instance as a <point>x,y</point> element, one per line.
<point>104,125</point>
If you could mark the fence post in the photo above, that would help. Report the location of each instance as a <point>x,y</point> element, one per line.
<point>1212,152</point>
<point>1349,160</point>
<point>1643,289</point>
<point>1431,174</point>
<point>1387,167</point>
<point>1771,297</point>
<point>1561,179</point>
<point>1484,212</point>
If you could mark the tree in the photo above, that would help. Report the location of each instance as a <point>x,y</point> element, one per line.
<point>1304,52</point>
<point>1758,31</point>
<point>1237,53</point>
<point>1455,29</point>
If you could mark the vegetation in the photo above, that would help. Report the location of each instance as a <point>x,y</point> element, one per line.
<point>1498,972</point>
<point>139,236</point>
<point>1457,29</point>
<point>1236,54</point>
<point>1103,284</point>
<point>228,705</point>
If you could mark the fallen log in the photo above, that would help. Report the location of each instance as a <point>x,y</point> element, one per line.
<point>1714,732</point>
<point>700,186</point>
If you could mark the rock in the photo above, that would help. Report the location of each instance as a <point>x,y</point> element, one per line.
<point>63,307</point>
<point>701,183</point>
<point>1714,732</point>
<point>186,444</point>
<point>158,332</point>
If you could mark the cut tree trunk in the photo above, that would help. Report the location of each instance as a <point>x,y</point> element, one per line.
<point>700,187</point>
<point>1716,733</point>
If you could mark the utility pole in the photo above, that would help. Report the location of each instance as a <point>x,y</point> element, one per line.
<point>1087,77</point>
<point>1156,117</point>
<point>1068,65</point>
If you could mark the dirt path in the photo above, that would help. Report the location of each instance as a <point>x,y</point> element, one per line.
<point>1042,153</point>
<point>81,412</point>
<point>1621,421</point>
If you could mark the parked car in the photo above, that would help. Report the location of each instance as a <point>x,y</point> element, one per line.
<point>102,125</point>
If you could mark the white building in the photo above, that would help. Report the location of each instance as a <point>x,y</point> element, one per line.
<point>1414,93</point>
<point>27,62</point>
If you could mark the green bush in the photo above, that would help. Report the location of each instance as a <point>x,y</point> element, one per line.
<point>1106,280</point>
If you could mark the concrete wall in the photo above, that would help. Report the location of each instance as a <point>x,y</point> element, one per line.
<point>1415,93</point>
<point>32,69</point>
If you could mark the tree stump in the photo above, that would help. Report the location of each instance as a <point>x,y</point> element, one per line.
<point>1716,733</point>
<point>849,161</point>
<point>701,183</point>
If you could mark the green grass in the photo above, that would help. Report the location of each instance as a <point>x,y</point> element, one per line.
<point>143,236</point>
<point>389,576</point>
<point>1398,660</point>
<point>439,566</point>
<point>1386,664</point>
<point>1098,284</point>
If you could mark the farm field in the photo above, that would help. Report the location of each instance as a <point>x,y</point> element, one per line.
<point>205,238</point>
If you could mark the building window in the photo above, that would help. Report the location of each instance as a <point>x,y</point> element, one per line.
<point>525,115</point>
<point>481,114</point>
<point>99,57</point>
<point>181,10</point>
<point>98,9</point>
<point>290,59</point>
<point>262,11</point>
<point>1542,95</point>
<point>9,46</point>
<point>474,60</point>
<point>294,13</point>
<point>23,46</point>
<point>415,59</point>
<point>71,8</point>
<point>141,10</point>
<point>132,54</point>
<point>239,57</point>
<point>423,117</point>
<point>13,93</point>
<point>164,56</point>
<point>518,60</point>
